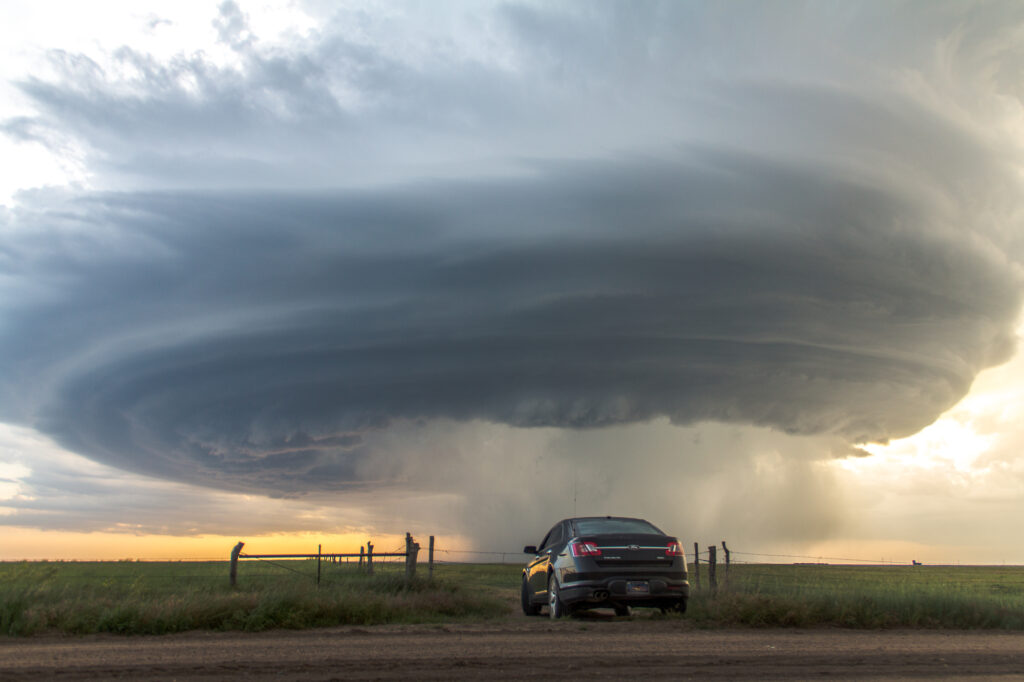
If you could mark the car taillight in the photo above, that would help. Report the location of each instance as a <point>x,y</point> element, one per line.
<point>674,549</point>
<point>580,548</point>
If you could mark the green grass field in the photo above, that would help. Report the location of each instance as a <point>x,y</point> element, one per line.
<point>163,597</point>
<point>866,596</point>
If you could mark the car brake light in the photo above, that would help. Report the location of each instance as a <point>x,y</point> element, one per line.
<point>674,549</point>
<point>580,548</point>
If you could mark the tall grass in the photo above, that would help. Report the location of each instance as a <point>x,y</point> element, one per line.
<point>157,598</point>
<point>762,595</point>
<point>865,597</point>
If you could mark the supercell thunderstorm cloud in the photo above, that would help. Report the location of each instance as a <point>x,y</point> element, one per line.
<point>292,270</point>
<point>255,338</point>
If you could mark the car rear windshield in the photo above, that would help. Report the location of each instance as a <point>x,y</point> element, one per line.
<point>600,526</point>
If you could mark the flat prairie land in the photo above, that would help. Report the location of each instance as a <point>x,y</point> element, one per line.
<point>800,595</point>
<point>961,597</point>
<point>764,622</point>
<point>133,598</point>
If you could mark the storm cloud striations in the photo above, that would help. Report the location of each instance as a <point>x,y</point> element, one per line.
<point>816,255</point>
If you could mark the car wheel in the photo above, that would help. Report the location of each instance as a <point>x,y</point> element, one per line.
<point>556,608</point>
<point>623,610</point>
<point>678,607</point>
<point>529,608</point>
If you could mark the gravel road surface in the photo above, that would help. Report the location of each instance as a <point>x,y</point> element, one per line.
<point>606,650</point>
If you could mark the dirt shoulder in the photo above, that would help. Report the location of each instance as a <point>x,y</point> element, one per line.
<point>520,650</point>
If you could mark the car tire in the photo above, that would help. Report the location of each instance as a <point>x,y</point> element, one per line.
<point>623,610</point>
<point>678,607</point>
<point>529,608</point>
<point>556,607</point>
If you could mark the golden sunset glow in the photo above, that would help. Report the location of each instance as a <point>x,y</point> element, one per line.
<point>31,544</point>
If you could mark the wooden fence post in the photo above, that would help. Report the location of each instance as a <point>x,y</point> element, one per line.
<point>712,563</point>
<point>234,563</point>
<point>318,548</point>
<point>361,551</point>
<point>412,551</point>
<point>726,550</point>
<point>369,557</point>
<point>696,565</point>
<point>430,564</point>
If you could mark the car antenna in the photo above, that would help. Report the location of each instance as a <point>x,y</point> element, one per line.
<point>574,477</point>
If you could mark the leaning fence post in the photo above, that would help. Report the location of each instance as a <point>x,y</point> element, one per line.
<point>369,557</point>
<point>696,565</point>
<point>726,550</point>
<point>318,548</point>
<point>234,563</point>
<point>430,559</point>
<point>712,562</point>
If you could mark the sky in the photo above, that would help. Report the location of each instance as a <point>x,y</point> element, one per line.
<point>314,272</point>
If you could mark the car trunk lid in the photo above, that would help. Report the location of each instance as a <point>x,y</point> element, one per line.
<point>631,549</point>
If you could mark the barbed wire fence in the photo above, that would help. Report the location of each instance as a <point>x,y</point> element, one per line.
<point>709,566</point>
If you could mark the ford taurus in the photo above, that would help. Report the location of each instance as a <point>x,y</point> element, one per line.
<point>604,561</point>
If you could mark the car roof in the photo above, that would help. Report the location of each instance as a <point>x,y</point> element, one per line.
<point>575,527</point>
<point>587,518</point>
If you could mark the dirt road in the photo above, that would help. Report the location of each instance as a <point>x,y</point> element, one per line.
<point>608,650</point>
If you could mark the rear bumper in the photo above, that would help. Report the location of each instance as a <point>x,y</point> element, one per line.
<point>612,590</point>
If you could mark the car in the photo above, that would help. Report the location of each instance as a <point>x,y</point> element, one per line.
<point>605,562</point>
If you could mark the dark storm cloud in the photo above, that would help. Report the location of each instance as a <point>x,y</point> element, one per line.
<point>252,339</point>
<point>626,235</point>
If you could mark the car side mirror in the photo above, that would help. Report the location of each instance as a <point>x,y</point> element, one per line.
<point>529,549</point>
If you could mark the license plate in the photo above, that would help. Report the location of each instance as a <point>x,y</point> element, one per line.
<point>637,587</point>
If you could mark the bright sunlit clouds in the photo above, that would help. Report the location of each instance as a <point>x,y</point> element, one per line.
<point>971,439</point>
<point>956,487</point>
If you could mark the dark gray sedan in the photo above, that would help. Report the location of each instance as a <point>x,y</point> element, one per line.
<point>605,561</point>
